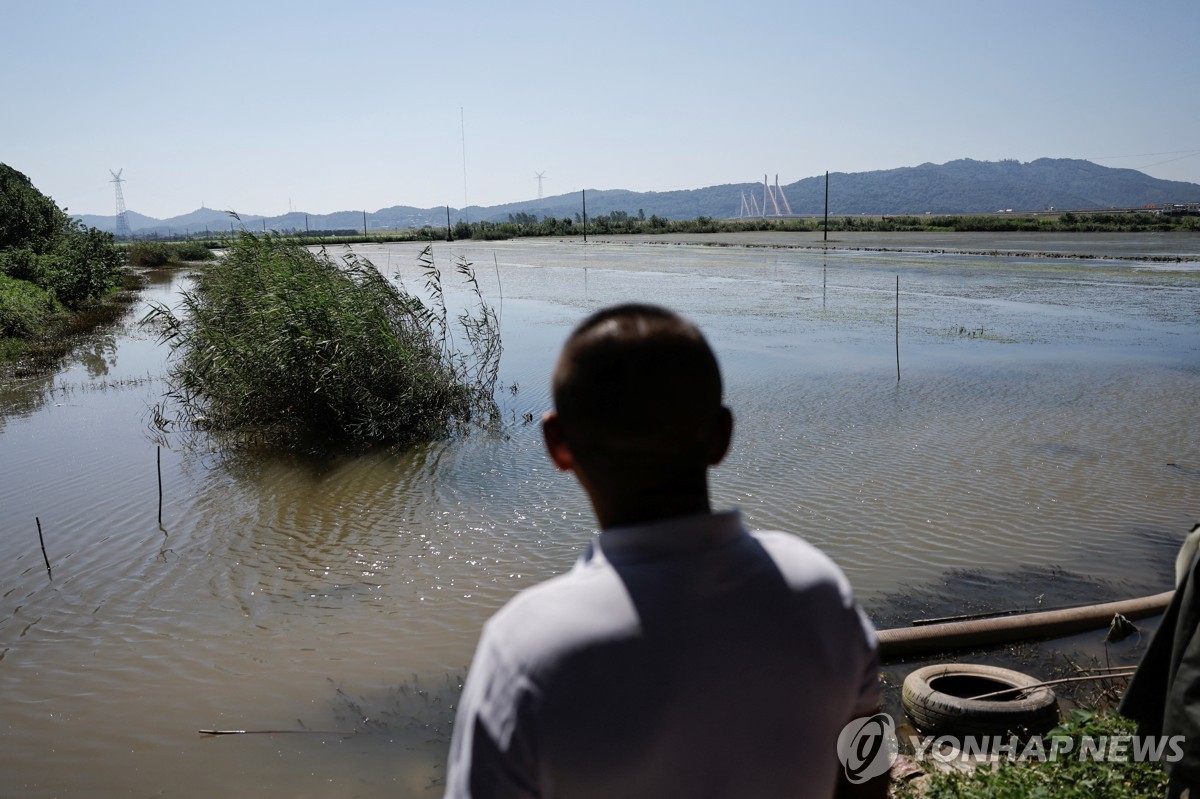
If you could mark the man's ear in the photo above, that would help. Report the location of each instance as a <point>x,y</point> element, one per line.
<point>722,436</point>
<point>556,442</point>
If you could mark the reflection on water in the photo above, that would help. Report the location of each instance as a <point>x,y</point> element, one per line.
<point>348,593</point>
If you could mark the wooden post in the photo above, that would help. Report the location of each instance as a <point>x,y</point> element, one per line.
<point>449,237</point>
<point>364,224</point>
<point>585,214</point>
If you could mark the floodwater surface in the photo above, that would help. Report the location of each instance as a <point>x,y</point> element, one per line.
<point>1043,422</point>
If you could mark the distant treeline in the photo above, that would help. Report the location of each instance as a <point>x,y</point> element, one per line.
<point>623,223</point>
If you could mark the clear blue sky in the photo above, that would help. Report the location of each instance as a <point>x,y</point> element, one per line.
<point>262,107</point>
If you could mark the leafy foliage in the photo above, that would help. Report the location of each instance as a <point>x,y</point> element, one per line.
<point>1067,777</point>
<point>41,245</point>
<point>28,218</point>
<point>23,308</point>
<point>284,347</point>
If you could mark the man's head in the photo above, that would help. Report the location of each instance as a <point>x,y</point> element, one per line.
<point>637,397</point>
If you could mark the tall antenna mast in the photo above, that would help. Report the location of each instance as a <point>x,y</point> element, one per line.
<point>462,117</point>
<point>539,176</point>
<point>122,220</point>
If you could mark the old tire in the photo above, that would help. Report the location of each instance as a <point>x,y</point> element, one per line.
<point>937,700</point>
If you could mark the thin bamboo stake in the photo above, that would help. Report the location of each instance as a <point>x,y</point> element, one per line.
<point>988,615</point>
<point>42,541</point>
<point>159,458</point>
<point>500,316</point>
<point>278,732</point>
<point>897,328</point>
<point>1051,682</point>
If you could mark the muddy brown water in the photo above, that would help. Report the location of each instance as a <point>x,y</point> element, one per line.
<point>1040,446</point>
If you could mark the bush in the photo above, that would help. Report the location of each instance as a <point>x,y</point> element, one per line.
<point>21,263</point>
<point>151,254</point>
<point>281,346</point>
<point>25,309</point>
<point>191,251</point>
<point>148,254</point>
<point>83,265</point>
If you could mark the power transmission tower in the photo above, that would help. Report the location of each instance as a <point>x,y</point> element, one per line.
<point>540,175</point>
<point>122,221</point>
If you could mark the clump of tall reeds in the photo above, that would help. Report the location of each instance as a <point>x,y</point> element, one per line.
<point>160,253</point>
<point>282,346</point>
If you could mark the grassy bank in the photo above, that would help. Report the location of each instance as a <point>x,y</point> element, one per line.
<point>1070,774</point>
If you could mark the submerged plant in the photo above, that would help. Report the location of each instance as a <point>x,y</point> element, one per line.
<point>289,348</point>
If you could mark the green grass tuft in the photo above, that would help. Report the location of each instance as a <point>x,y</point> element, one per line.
<point>1066,777</point>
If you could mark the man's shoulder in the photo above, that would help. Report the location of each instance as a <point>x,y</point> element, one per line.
<point>799,561</point>
<point>584,603</point>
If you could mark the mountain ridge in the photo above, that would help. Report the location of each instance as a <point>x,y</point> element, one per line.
<point>962,186</point>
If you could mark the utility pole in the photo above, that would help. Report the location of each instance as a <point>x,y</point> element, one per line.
<point>122,221</point>
<point>826,205</point>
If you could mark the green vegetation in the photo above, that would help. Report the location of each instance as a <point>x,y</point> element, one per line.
<point>620,223</point>
<point>286,348</point>
<point>160,253</point>
<point>51,267</point>
<point>1068,776</point>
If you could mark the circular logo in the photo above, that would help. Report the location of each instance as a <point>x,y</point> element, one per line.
<point>867,746</point>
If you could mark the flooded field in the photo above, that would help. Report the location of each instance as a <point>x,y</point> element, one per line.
<point>1040,442</point>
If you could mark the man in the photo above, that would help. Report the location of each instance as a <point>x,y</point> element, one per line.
<point>1164,694</point>
<point>681,656</point>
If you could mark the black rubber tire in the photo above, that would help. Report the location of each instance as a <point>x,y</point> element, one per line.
<point>934,699</point>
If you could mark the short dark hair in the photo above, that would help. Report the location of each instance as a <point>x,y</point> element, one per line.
<point>637,382</point>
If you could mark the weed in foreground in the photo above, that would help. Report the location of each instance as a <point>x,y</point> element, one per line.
<point>1067,777</point>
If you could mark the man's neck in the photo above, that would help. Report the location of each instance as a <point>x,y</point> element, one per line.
<point>630,508</point>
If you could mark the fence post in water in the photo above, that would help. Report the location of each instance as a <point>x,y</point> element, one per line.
<point>159,457</point>
<point>897,328</point>
<point>42,541</point>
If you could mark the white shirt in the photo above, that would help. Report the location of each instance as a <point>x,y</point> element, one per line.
<point>684,658</point>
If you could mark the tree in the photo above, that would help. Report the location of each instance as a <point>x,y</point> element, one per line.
<point>41,245</point>
<point>28,218</point>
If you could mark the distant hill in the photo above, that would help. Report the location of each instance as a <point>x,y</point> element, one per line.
<point>963,187</point>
